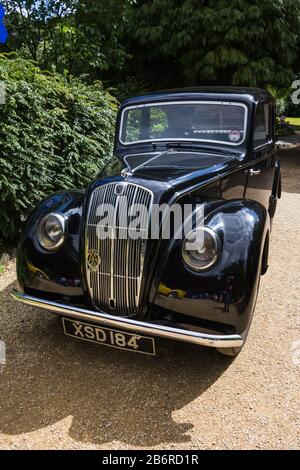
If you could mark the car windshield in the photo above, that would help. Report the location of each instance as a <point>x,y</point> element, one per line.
<point>184,121</point>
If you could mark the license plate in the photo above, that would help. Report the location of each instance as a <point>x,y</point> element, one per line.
<point>108,337</point>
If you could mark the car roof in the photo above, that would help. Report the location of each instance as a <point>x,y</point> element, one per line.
<point>244,94</point>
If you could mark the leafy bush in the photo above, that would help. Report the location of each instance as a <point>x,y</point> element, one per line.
<point>281,96</point>
<point>283,128</point>
<point>292,109</point>
<point>56,133</point>
<point>128,87</point>
<point>281,106</point>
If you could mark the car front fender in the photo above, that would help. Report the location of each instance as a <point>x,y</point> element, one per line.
<point>224,296</point>
<point>54,275</point>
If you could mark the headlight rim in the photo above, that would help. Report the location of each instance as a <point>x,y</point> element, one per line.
<point>41,232</point>
<point>213,262</point>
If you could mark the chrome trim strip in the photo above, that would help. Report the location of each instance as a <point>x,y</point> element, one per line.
<point>266,144</point>
<point>214,341</point>
<point>182,102</point>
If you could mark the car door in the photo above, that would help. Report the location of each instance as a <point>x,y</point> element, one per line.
<point>263,156</point>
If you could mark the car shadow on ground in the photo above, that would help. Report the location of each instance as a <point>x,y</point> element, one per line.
<point>111,394</point>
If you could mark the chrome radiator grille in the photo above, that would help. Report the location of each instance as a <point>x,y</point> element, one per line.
<point>114,264</point>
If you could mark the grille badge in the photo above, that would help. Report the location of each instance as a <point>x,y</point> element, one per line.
<point>119,189</point>
<point>93,260</point>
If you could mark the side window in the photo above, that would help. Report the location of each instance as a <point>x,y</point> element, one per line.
<point>262,130</point>
<point>158,123</point>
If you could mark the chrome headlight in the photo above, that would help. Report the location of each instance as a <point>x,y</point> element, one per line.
<point>51,231</point>
<point>201,249</point>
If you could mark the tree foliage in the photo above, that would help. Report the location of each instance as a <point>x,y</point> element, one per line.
<point>33,24</point>
<point>161,42</point>
<point>238,42</point>
<point>55,134</point>
<point>80,36</point>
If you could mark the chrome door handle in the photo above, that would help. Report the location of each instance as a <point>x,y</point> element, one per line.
<point>254,172</point>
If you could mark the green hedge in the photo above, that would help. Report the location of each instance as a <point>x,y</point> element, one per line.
<point>56,133</point>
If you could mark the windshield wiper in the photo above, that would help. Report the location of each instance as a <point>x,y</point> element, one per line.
<point>172,145</point>
<point>148,161</point>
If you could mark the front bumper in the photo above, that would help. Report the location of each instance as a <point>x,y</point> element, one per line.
<point>134,326</point>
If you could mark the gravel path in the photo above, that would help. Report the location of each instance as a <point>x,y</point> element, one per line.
<point>56,392</point>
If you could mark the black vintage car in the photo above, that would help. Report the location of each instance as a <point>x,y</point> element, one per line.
<point>209,150</point>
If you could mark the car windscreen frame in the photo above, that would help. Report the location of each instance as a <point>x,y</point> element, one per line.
<point>183,139</point>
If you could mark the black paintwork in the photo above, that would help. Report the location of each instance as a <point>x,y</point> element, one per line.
<point>237,205</point>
